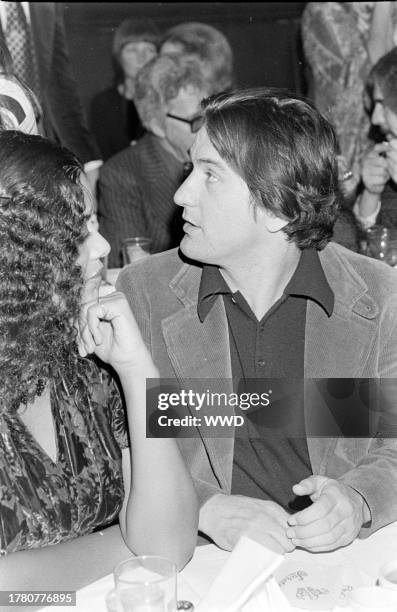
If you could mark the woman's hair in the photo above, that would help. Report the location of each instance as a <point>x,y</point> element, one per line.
<point>384,74</point>
<point>209,47</point>
<point>286,152</point>
<point>160,81</point>
<point>132,30</point>
<point>42,223</point>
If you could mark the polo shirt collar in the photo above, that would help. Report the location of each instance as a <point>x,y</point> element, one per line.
<point>308,281</point>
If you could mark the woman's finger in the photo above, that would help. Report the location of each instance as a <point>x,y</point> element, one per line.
<point>94,317</point>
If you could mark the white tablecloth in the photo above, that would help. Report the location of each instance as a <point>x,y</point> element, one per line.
<point>363,558</point>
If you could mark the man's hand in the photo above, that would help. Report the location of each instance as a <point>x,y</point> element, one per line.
<point>375,169</point>
<point>226,517</point>
<point>333,520</point>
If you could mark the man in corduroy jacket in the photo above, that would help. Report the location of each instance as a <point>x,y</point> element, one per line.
<point>258,291</point>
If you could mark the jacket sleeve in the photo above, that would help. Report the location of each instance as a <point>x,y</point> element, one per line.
<point>132,282</point>
<point>121,211</point>
<point>375,474</point>
<point>61,92</point>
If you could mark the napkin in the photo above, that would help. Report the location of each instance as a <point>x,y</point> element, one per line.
<point>242,577</point>
<point>310,585</point>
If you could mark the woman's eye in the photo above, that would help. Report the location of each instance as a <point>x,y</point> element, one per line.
<point>92,223</point>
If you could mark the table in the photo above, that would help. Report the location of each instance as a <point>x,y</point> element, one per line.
<point>364,556</point>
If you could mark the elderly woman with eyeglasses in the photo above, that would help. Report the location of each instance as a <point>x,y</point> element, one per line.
<point>136,186</point>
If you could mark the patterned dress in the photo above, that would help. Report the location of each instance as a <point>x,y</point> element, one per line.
<point>43,502</point>
<point>335,36</point>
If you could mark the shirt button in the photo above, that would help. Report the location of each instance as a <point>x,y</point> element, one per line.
<point>261,362</point>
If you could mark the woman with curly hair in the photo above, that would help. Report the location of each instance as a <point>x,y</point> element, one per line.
<point>65,465</point>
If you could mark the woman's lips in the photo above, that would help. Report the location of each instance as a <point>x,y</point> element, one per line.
<point>94,273</point>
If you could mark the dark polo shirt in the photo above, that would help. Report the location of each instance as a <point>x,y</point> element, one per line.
<point>270,452</point>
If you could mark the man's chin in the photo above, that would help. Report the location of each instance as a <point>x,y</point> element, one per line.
<point>187,248</point>
<point>192,251</point>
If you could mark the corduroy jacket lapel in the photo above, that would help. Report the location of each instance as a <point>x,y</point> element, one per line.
<point>336,346</point>
<point>200,351</point>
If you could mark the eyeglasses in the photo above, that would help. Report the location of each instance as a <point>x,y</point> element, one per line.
<point>195,123</point>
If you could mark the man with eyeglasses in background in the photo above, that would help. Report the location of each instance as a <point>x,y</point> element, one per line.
<point>137,185</point>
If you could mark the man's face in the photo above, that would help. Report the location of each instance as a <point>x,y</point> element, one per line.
<point>179,135</point>
<point>221,227</point>
<point>382,115</point>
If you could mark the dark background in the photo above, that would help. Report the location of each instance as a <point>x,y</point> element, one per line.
<point>264,37</point>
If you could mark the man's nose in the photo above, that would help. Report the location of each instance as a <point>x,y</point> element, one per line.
<point>183,195</point>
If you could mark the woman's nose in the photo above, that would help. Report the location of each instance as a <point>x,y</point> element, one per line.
<point>377,115</point>
<point>99,246</point>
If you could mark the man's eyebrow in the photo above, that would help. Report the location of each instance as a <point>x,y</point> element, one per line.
<point>209,161</point>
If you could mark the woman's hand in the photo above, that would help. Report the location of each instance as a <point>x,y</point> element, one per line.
<point>108,329</point>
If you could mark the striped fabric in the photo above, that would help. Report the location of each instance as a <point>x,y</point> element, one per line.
<point>16,110</point>
<point>136,189</point>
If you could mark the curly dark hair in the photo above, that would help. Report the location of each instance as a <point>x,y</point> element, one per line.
<point>42,223</point>
<point>286,152</point>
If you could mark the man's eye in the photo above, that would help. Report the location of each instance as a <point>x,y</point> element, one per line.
<point>211,177</point>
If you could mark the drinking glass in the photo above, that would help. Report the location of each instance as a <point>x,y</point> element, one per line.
<point>135,248</point>
<point>146,584</point>
<point>370,599</point>
<point>381,243</point>
<point>388,576</point>
<point>377,241</point>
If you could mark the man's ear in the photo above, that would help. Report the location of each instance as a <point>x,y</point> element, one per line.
<point>156,128</point>
<point>272,222</point>
<point>275,224</point>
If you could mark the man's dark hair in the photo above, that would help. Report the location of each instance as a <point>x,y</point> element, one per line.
<point>286,152</point>
<point>384,74</point>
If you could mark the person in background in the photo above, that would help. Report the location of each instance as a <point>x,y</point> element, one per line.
<point>66,444</point>
<point>137,186</point>
<point>114,119</point>
<point>342,41</point>
<point>256,291</point>
<point>34,33</point>
<point>208,46</point>
<point>377,202</point>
